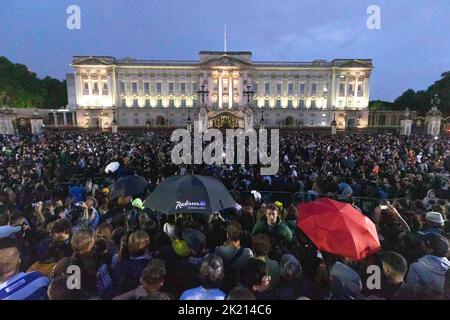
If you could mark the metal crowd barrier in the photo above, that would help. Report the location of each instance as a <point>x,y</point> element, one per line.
<point>366,204</point>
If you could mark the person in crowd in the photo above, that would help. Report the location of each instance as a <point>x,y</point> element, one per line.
<point>428,273</point>
<point>95,277</point>
<point>126,274</point>
<point>254,275</point>
<point>16,285</point>
<point>151,282</point>
<point>211,274</point>
<point>261,249</point>
<point>272,225</point>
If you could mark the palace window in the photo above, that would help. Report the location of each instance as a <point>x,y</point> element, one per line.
<point>194,87</point>
<point>290,89</point>
<point>86,88</point>
<point>360,90</point>
<point>266,104</point>
<point>278,103</point>
<point>183,103</point>
<point>147,87</point>
<point>325,88</point>
<point>351,91</point>
<point>136,121</point>
<point>171,103</point>
<point>95,90</point>
<point>313,103</point>
<point>124,103</point>
<point>313,89</point>
<point>105,88</point>
<point>267,88</point>
<point>279,87</point>
<point>171,87</point>
<point>159,104</point>
<point>122,87</point>
<point>158,87</point>
<point>147,103</point>
<point>302,88</point>
<point>301,103</point>
<point>135,103</point>
<point>183,88</point>
<point>134,87</point>
<point>255,88</point>
<point>289,105</point>
<point>341,90</point>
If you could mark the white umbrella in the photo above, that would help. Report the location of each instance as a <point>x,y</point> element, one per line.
<point>112,167</point>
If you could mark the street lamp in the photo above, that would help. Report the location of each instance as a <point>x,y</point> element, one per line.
<point>262,122</point>
<point>249,94</point>
<point>114,123</point>
<point>203,93</point>
<point>333,125</point>
<point>189,121</point>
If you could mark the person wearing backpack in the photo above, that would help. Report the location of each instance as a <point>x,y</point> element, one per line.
<point>232,254</point>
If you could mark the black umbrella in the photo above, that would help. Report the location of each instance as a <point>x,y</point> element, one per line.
<point>128,186</point>
<point>190,194</point>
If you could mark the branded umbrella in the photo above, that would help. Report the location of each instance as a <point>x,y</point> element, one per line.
<point>128,186</point>
<point>338,228</point>
<point>190,194</point>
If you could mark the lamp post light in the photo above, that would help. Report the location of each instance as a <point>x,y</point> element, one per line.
<point>189,122</point>
<point>249,94</point>
<point>203,93</point>
<point>333,125</point>
<point>114,126</point>
<point>262,122</point>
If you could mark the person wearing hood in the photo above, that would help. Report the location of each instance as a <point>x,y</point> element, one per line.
<point>428,273</point>
<point>430,199</point>
<point>345,283</point>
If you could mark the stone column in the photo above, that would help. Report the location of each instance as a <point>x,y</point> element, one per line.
<point>65,119</point>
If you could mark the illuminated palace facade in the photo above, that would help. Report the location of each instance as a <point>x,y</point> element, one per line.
<point>222,89</point>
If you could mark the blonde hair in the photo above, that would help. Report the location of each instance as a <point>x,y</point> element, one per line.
<point>81,240</point>
<point>138,243</point>
<point>9,260</point>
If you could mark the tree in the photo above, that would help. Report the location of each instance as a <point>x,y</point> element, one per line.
<point>26,90</point>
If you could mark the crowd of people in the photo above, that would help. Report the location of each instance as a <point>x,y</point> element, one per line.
<point>63,237</point>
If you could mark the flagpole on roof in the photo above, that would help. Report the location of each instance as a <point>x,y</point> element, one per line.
<point>225,39</point>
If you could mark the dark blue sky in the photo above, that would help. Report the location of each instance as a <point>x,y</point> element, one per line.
<point>411,50</point>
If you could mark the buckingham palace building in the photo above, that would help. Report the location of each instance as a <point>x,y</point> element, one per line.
<point>220,89</point>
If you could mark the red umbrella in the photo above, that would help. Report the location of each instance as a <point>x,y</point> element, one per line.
<point>338,228</point>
